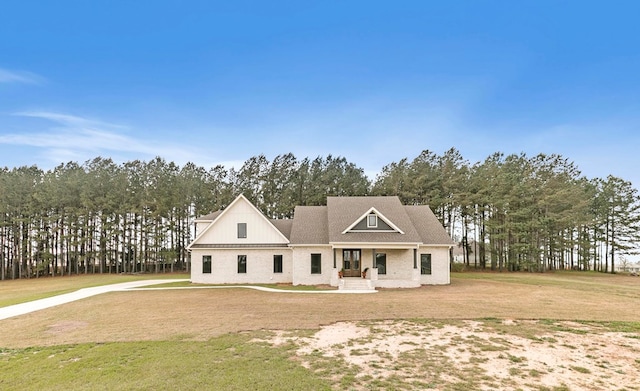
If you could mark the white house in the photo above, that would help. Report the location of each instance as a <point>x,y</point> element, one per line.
<point>626,266</point>
<point>394,245</point>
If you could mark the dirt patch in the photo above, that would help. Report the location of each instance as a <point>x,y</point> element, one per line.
<point>65,327</point>
<point>477,355</point>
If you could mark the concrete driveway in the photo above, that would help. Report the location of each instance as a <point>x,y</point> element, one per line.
<point>36,305</point>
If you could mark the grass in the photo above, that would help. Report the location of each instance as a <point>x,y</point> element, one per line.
<point>224,363</point>
<point>592,282</point>
<point>284,287</point>
<point>206,313</point>
<point>580,369</point>
<point>201,338</point>
<point>21,291</point>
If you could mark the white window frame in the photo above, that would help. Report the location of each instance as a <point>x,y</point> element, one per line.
<point>375,221</point>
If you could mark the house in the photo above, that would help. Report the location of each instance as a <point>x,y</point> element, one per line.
<point>394,245</point>
<point>625,266</point>
<point>473,254</point>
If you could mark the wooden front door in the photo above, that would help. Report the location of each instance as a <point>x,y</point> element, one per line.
<point>351,263</point>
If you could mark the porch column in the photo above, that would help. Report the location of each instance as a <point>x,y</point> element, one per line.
<point>334,258</point>
<point>415,258</point>
<point>373,260</point>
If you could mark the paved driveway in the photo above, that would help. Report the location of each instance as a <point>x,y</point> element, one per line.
<point>36,305</point>
<point>31,306</point>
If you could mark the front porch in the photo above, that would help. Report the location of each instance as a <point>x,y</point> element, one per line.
<point>376,267</point>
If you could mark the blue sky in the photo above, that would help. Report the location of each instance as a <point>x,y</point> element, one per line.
<point>218,82</point>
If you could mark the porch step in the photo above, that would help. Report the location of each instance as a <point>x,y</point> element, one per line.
<point>355,284</point>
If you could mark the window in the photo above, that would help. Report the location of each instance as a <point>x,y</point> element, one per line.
<point>381,263</point>
<point>372,221</point>
<point>242,263</point>
<point>425,263</point>
<point>277,263</point>
<point>316,263</point>
<point>206,264</point>
<point>242,230</point>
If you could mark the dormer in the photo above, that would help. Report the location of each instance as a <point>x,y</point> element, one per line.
<point>372,221</point>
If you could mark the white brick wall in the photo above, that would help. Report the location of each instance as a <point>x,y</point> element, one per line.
<point>296,263</point>
<point>224,266</point>
<point>302,265</point>
<point>439,265</point>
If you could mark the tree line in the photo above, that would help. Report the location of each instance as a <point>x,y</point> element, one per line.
<point>103,217</point>
<point>514,212</point>
<point>522,213</point>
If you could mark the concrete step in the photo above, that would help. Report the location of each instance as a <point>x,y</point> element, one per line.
<point>355,284</point>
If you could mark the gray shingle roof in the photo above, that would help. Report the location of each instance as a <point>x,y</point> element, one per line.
<point>344,211</point>
<point>310,225</point>
<point>210,216</point>
<point>326,224</point>
<point>428,225</point>
<point>284,226</point>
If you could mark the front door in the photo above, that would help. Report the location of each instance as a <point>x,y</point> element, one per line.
<point>351,263</point>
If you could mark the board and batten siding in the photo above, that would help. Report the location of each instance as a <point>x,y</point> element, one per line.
<point>259,229</point>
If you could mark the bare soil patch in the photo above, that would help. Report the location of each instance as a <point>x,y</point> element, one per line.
<point>476,355</point>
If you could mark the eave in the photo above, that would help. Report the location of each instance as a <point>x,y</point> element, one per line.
<point>372,245</point>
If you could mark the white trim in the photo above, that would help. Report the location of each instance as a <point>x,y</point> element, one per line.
<point>309,245</point>
<point>376,245</point>
<point>284,247</point>
<point>241,196</point>
<point>375,217</point>
<point>380,215</point>
<point>374,231</point>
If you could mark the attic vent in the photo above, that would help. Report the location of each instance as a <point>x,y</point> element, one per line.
<point>372,221</point>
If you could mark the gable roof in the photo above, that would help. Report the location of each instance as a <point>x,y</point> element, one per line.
<point>323,225</point>
<point>281,229</point>
<point>372,211</point>
<point>343,211</point>
<point>283,225</point>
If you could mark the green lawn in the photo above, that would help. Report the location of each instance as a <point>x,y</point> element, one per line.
<point>226,363</point>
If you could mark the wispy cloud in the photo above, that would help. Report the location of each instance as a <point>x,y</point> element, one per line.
<point>77,138</point>
<point>7,76</point>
